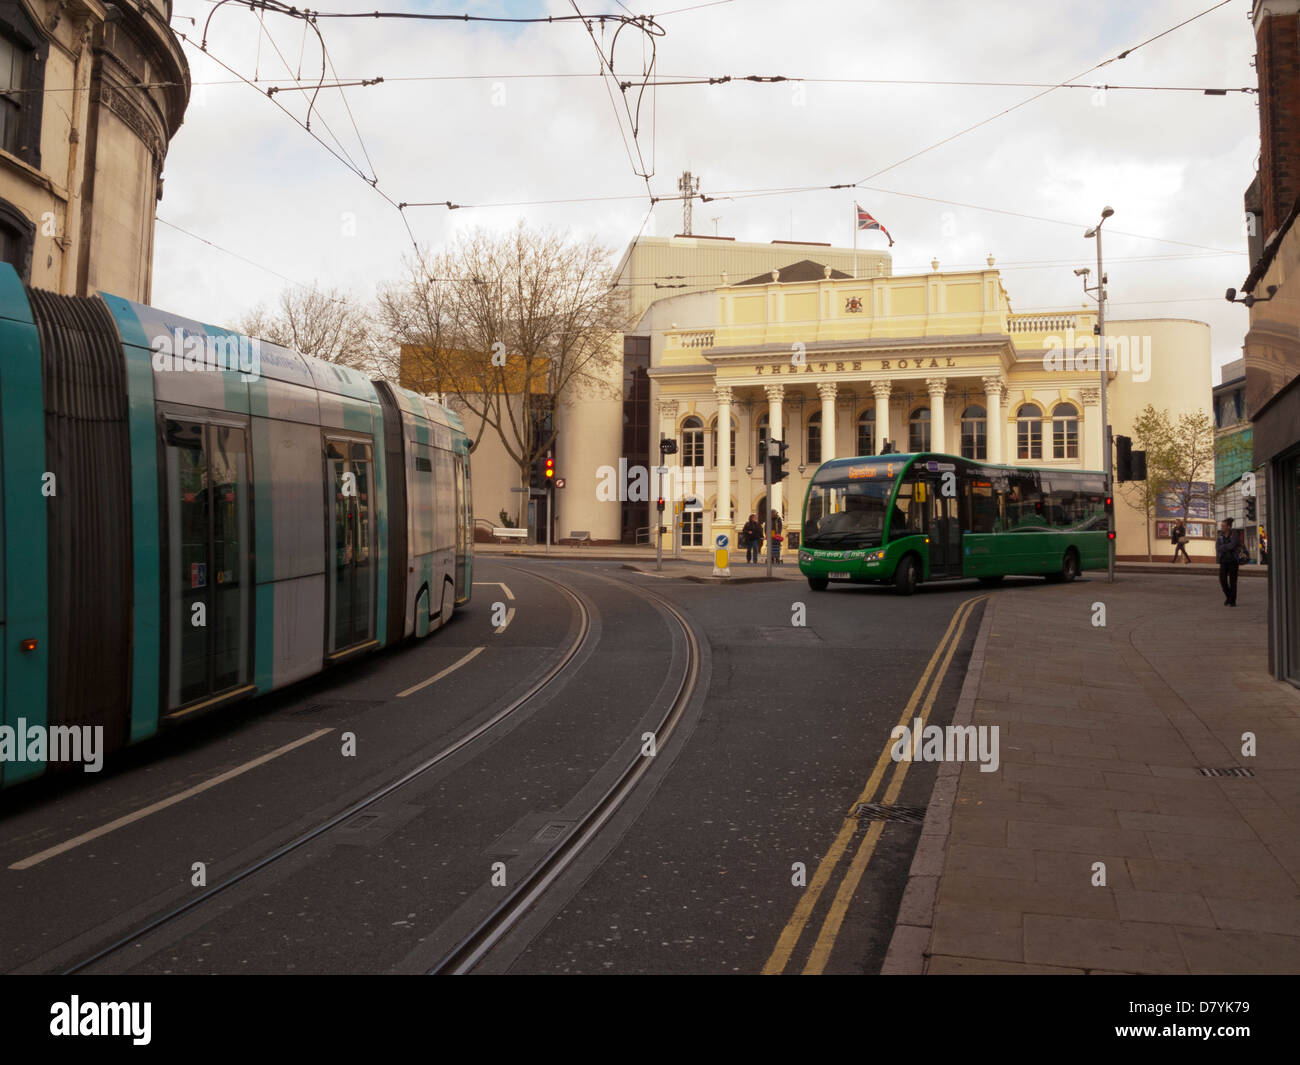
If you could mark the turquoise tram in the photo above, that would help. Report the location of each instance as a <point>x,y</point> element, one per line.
<point>189,517</point>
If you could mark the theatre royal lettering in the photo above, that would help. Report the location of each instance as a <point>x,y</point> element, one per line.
<point>856,366</point>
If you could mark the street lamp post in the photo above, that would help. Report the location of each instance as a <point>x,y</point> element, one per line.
<point>1104,358</point>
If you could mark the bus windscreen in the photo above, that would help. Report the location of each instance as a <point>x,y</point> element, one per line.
<point>844,513</point>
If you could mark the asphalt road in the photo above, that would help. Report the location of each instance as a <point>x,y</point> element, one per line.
<point>698,871</point>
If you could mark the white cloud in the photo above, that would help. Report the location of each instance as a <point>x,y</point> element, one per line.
<point>1173,165</point>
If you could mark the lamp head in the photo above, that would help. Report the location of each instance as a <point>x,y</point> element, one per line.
<point>1091,233</point>
<point>1106,212</point>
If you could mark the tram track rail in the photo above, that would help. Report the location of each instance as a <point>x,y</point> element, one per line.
<point>506,915</point>
<point>174,913</point>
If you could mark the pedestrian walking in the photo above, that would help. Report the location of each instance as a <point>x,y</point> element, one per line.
<point>1179,537</point>
<point>1228,550</point>
<point>777,538</point>
<point>1263,547</point>
<point>751,535</point>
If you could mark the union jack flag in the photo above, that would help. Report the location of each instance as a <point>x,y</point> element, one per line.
<point>865,221</point>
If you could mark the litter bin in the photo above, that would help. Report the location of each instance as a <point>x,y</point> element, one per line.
<point>792,540</point>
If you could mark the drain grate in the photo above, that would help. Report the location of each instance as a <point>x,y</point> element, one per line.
<point>876,811</point>
<point>1230,771</point>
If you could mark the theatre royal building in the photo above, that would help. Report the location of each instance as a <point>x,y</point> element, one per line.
<point>831,352</point>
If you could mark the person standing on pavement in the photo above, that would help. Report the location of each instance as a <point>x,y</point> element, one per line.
<point>1226,549</point>
<point>777,538</point>
<point>1179,537</point>
<point>752,535</point>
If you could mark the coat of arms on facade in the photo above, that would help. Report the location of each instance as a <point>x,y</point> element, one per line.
<point>853,305</point>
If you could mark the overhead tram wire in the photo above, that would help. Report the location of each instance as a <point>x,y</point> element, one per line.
<point>1015,107</point>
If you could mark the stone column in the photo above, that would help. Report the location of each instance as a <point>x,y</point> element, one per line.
<point>993,406</point>
<point>1092,431</point>
<point>723,445</point>
<point>827,393</point>
<point>937,386</point>
<point>846,403</point>
<point>882,390</point>
<point>775,394</point>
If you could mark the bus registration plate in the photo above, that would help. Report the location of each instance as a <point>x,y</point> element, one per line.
<point>838,576</point>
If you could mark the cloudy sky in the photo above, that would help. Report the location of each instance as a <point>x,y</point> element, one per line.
<point>497,116</point>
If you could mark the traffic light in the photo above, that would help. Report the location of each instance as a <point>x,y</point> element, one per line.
<point>660,504</point>
<point>1250,510</point>
<point>668,446</point>
<point>1139,465</point>
<point>1123,458</point>
<point>549,470</point>
<point>776,461</point>
<point>1110,516</point>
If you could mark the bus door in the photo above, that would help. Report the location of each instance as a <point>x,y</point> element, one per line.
<point>944,528</point>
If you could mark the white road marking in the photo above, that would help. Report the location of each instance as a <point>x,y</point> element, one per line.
<point>500,584</point>
<point>162,804</point>
<point>510,616</point>
<point>438,676</point>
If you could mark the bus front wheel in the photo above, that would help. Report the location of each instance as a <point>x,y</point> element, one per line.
<point>818,584</point>
<point>1069,569</point>
<point>905,576</point>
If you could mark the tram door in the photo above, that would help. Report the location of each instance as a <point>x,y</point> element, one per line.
<point>944,528</point>
<point>208,563</point>
<point>351,572</point>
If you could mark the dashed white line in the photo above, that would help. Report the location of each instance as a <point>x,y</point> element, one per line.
<point>438,676</point>
<point>162,804</point>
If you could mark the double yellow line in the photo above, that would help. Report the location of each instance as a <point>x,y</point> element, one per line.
<point>830,929</point>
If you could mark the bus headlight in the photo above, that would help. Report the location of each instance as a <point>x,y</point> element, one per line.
<point>875,556</point>
<point>805,556</point>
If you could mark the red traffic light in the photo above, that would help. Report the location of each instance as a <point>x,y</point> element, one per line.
<point>550,468</point>
<point>1110,535</point>
<point>1110,504</point>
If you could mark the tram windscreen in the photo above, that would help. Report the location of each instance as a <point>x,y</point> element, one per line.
<point>844,511</point>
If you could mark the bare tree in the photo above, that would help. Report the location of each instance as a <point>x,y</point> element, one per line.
<point>505,326</point>
<point>323,324</point>
<point>1180,461</point>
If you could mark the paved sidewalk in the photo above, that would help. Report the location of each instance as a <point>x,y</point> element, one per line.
<point>1102,732</point>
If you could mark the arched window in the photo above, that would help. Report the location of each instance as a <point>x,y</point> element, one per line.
<point>974,433</point>
<point>714,425</point>
<point>1065,432</point>
<point>918,430</point>
<point>867,433</point>
<point>692,442</point>
<point>17,236</point>
<point>814,451</point>
<point>1029,432</point>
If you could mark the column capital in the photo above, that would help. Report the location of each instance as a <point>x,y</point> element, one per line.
<point>1091,397</point>
<point>882,389</point>
<point>827,390</point>
<point>992,384</point>
<point>774,393</point>
<point>723,394</point>
<point>936,386</point>
<point>668,408</point>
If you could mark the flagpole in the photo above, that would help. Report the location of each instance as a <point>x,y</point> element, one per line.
<point>854,209</point>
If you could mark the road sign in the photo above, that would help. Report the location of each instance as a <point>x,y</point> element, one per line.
<point>559,482</point>
<point>723,541</point>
